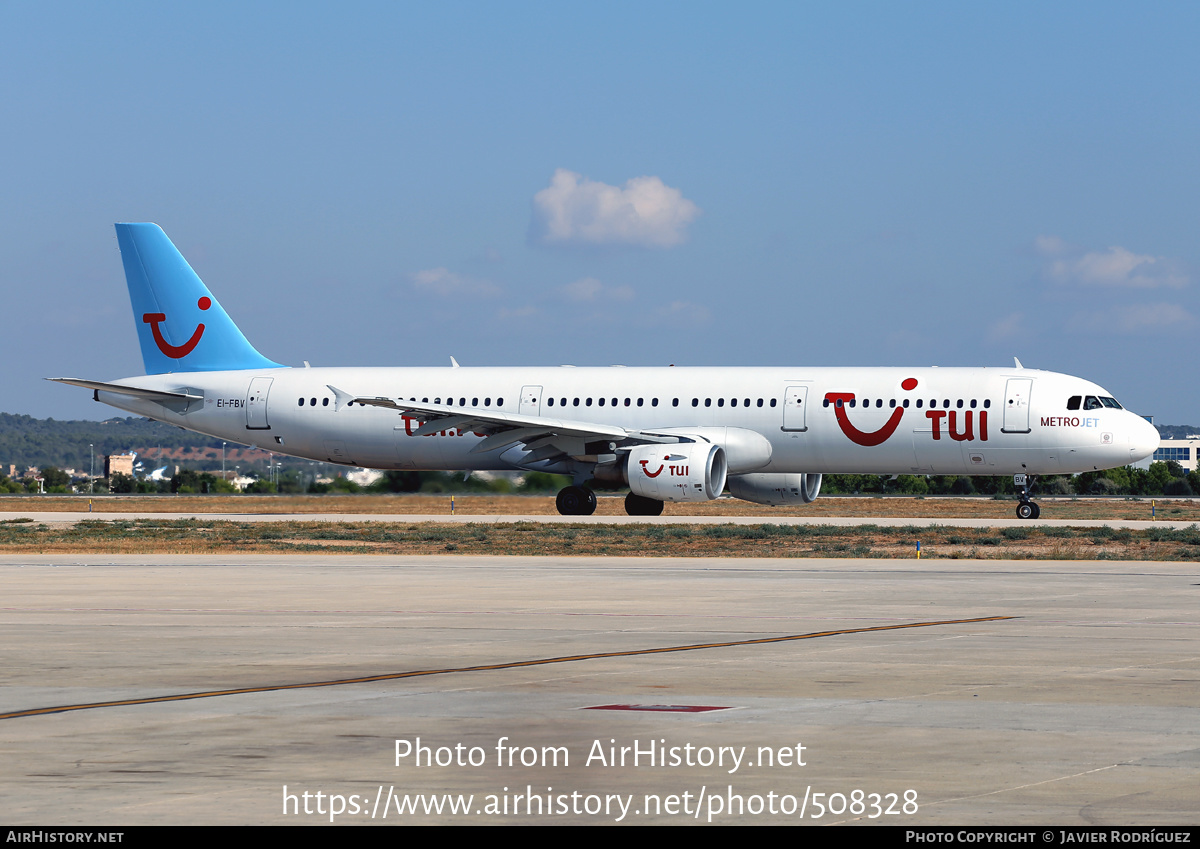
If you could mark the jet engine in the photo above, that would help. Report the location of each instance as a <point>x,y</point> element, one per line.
<point>776,489</point>
<point>684,471</point>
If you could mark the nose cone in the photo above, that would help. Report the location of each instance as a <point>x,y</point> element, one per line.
<point>1143,440</point>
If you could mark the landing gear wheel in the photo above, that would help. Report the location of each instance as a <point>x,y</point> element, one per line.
<point>1026,509</point>
<point>576,501</point>
<point>640,505</point>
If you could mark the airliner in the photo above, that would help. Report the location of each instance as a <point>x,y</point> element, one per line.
<point>667,433</point>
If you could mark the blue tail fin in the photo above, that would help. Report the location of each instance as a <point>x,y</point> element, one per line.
<point>181,327</point>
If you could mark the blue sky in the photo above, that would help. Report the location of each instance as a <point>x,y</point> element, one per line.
<point>691,183</point>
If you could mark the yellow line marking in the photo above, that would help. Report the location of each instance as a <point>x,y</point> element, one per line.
<point>516,664</point>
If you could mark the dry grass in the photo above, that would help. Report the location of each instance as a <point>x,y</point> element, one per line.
<point>1104,509</point>
<point>185,536</point>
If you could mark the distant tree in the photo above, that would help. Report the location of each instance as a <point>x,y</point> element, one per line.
<point>54,477</point>
<point>186,481</point>
<point>122,483</point>
<point>962,486</point>
<point>1178,486</point>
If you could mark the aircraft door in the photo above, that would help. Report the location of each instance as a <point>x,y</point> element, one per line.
<point>531,400</point>
<point>795,408</point>
<point>256,403</point>
<point>1016,405</point>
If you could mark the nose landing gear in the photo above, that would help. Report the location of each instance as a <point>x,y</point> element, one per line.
<point>1026,509</point>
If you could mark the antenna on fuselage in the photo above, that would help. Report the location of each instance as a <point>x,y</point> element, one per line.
<point>1018,363</point>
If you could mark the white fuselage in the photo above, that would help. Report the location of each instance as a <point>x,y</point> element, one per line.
<point>980,421</point>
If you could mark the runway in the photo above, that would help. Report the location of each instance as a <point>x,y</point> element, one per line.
<point>528,677</point>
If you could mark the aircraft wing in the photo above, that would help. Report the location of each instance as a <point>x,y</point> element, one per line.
<point>546,438</point>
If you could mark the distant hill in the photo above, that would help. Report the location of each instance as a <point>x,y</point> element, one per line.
<point>26,441</point>
<point>1177,431</point>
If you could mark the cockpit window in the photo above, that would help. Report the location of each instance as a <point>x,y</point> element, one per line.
<point>1091,402</point>
<point>1111,403</point>
<point>1073,402</point>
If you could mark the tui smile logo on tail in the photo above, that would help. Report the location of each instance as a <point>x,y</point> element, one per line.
<point>175,352</point>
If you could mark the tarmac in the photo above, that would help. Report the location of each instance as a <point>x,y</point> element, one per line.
<point>274,689</point>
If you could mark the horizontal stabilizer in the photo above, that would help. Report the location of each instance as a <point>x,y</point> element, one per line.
<point>134,391</point>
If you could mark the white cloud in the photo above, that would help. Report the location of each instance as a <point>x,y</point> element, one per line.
<point>440,281</point>
<point>510,313</point>
<point>684,312</point>
<point>1006,328</point>
<point>591,289</point>
<point>574,210</point>
<point>1117,267</point>
<point>1137,318</point>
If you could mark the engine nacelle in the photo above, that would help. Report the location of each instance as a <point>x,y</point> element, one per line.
<point>776,489</point>
<point>745,449</point>
<point>685,471</point>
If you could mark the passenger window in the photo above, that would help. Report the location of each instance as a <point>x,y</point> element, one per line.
<point>920,403</point>
<point>958,403</point>
<point>720,402</point>
<point>708,402</point>
<point>601,402</point>
<point>301,404</point>
<point>550,402</point>
<point>312,402</point>
<point>324,402</point>
<point>772,402</point>
<point>760,402</point>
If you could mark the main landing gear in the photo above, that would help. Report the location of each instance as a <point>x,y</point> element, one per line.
<point>640,505</point>
<point>1026,509</point>
<point>581,501</point>
<point>576,501</point>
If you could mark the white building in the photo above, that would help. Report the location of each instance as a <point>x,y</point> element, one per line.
<point>1185,452</point>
